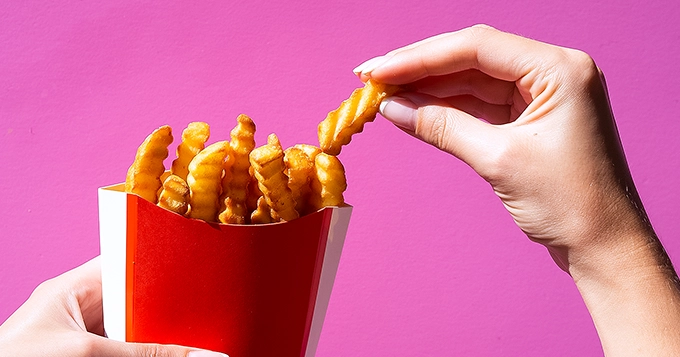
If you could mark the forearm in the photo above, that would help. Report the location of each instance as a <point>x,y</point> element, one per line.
<point>632,294</point>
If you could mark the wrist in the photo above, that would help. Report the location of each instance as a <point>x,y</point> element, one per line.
<point>631,291</point>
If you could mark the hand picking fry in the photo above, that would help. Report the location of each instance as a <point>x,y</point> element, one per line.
<point>329,182</point>
<point>143,176</point>
<point>233,182</point>
<point>174,195</point>
<point>193,140</point>
<point>235,186</point>
<point>267,161</point>
<point>204,180</point>
<point>299,169</point>
<point>361,107</point>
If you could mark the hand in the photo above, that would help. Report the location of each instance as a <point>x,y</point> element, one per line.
<point>63,317</point>
<point>548,146</point>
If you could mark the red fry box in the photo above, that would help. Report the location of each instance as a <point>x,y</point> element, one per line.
<point>250,290</point>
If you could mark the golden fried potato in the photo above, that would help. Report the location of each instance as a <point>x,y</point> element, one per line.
<point>262,214</point>
<point>328,183</point>
<point>310,150</point>
<point>233,212</point>
<point>235,185</point>
<point>193,140</point>
<point>204,180</point>
<point>361,107</point>
<point>164,176</point>
<point>174,195</point>
<point>254,192</point>
<point>144,175</point>
<point>267,161</point>
<point>299,170</point>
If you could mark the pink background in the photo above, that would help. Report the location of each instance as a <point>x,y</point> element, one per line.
<point>432,263</point>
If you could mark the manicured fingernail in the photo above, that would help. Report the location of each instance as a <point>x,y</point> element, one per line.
<point>400,111</point>
<point>206,354</point>
<point>367,67</point>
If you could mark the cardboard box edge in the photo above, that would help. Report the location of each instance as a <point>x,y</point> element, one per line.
<point>112,235</point>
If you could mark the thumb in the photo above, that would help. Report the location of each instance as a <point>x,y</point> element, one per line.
<point>107,347</point>
<point>434,121</point>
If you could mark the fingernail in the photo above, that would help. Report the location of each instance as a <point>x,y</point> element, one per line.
<point>400,111</point>
<point>206,354</point>
<point>367,67</point>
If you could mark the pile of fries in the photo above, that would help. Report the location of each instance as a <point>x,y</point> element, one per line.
<point>235,182</point>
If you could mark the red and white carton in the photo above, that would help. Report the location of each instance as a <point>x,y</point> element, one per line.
<point>249,290</point>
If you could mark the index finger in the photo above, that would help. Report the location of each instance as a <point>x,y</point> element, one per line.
<point>499,54</point>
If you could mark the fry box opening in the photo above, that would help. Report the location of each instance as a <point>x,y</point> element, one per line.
<point>245,290</point>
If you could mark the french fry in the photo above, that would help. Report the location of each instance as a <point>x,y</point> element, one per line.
<point>233,182</point>
<point>310,150</point>
<point>174,195</point>
<point>144,175</point>
<point>254,192</point>
<point>261,214</point>
<point>329,182</point>
<point>204,180</point>
<point>361,107</point>
<point>267,161</point>
<point>299,170</point>
<point>193,140</point>
<point>235,185</point>
<point>233,213</point>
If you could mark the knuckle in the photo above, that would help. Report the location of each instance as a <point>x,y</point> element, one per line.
<point>482,27</point>
<point>438,127</point>
<point>580,62</point>
<point>499,163</point>
<point>157,350</point>
<point>47,287</point>
<point>154,350</point>
<point>83,345</point>
<point>583,60</point>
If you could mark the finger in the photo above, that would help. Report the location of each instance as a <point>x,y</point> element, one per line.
<point>501,55</point>
<point>88,271</point>
<point>86,283</point>
<point>434,121</point>
<point>492,113</point>
<point>75,296</point>
<point>367,66</point>
<point>468,82</point>
<point>105,347</point>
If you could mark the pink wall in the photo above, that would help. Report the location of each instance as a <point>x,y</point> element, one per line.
<point>432,265</point>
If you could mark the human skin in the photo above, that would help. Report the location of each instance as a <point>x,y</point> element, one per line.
<point>549,148</point>
<point>63,318</point>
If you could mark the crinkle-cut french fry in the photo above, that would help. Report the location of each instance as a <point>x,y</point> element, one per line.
<point>194,137</point>
<point>299,170</point>
<point>267,161</point>
<point>144,175</point>
<point>254,192</point>
<point>164,176</point>
<point>233,212</point>
<point>361,107</point>
<point>329,182</point>
<point>235,185</point>
<point>204,180</point>
<point>262,213</point>
<point>310,150</point>
<point>174,195</point>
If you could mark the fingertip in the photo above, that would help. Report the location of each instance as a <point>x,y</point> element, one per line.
<point>365,69</point>
<point>400,111</point>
